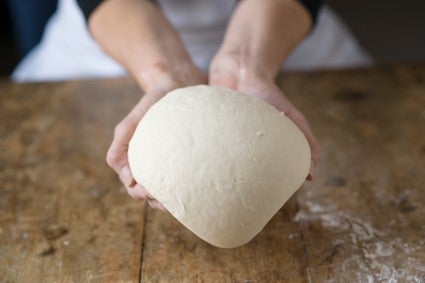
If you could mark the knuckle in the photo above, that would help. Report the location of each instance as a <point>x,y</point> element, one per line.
<point>120,129</point>
<point>113,157</point>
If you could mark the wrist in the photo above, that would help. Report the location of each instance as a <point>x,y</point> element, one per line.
<point>238,68</point>
<point>164,76</point>
<point>260,47</point>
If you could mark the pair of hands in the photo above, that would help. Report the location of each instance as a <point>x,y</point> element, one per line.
<point>223,73</point>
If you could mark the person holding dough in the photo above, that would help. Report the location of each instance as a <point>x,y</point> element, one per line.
<point>167,44</point>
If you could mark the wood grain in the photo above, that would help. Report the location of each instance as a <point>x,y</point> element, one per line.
<point>174,254</point>
<point>63,215</point>
<point>363,217</point>
<point>64,218</point>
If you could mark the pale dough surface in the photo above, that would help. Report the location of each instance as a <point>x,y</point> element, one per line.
<point>222,162</point>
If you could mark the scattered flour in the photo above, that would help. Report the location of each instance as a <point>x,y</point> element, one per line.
<point>366,254</point>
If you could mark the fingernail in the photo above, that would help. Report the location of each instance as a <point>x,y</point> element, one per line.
<point>126,177</point>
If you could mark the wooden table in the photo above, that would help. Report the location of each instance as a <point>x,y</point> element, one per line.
<point>65,218</point>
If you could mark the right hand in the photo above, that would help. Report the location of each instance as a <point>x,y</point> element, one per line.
<point>225,72</point>
<point>156,87</point>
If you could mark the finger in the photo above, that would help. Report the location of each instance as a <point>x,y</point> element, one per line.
<point>138,192</point>
<point>312,170</point>
<point>156,205</point>
<point>126,177</point>
<point>302,124</point>
<point>290,111</point>
<point>117,154</point>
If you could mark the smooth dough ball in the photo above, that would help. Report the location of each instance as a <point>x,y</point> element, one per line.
<point>222,162</point>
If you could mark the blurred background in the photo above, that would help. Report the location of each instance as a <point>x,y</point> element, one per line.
<point>391,30</point>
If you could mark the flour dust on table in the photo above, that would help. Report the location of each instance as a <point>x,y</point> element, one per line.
<point>371,254</point>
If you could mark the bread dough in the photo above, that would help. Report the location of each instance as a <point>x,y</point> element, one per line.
<point>222,162</point>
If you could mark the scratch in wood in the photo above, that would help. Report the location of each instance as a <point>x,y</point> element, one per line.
<point>142,253</point>
<point>91,276</point>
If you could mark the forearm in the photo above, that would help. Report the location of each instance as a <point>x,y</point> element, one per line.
<point>261,34</point>
<point>137,35</point>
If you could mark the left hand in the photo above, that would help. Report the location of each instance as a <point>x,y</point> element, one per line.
<point>225,73</point>
<point>159,84</point>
